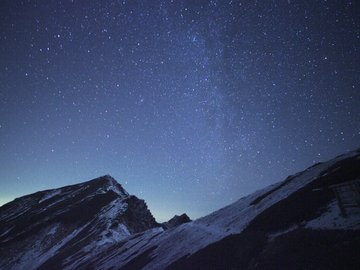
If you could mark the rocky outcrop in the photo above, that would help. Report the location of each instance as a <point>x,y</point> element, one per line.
<point>176,221</point>
<point>137,216</point>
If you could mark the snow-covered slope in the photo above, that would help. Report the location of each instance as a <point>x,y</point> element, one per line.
<point>170,246</point>
<point>58,226</point>
<point>243,235</point>
<point>295,224</point>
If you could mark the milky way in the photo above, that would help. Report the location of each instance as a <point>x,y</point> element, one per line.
<point>188,104</point>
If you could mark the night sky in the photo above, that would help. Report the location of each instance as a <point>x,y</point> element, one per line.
<point>188,104</point>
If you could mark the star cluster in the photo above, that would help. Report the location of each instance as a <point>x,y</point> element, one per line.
<point>188,104</point>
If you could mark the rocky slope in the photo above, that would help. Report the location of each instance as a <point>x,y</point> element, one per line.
<point>294,224</point>
<point>61,225</point>
<point>304,230</point>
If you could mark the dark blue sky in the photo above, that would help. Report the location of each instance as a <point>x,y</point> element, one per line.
<point>188,104</point>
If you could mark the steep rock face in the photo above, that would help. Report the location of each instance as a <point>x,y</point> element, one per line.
<point>137,217</point>
<point>72,221</point>
<point>176,221</point>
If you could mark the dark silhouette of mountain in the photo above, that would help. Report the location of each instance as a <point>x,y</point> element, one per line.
<point>293,224</point>
<point>176,221</point>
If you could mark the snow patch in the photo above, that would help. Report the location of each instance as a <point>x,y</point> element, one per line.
<point>109,213</point>
<point>34,257</point>
<point>49,195</point>
<point>332,219</point>
<point>113,186</point>
<point>111,232</point>
<point>53,229</point>
<point>276,234</point>
<point>18,210</point>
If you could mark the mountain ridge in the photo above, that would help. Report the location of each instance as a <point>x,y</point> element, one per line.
<point>116,230</point>
<point>96,212</point>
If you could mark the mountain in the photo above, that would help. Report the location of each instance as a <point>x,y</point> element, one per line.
<point>293,224</point>
<point>176,221</point>
<point>55,226</point>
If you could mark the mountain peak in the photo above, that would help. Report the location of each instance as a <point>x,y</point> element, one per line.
<point>108,183</point>
<point>109,178</point>
<point>95,213</point>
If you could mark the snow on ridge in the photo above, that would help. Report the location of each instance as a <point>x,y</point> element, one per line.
<point>115,186</point>
<point>17,210</point>
<point>6,232</point>
<point>35,257</point>
<point>139,243</point>
<point>272,236</point>
<point>234,218</point>
<point>109,233</point>
<point>111,185</point>
<point>108,214</point>
<point>170,245</point>
<point>49,195</point>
